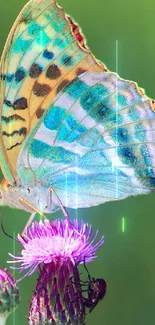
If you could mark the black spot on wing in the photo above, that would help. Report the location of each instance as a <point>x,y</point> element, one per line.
<point>127,155</point>
<point>7,103</point>
<point>2,76</point>
<point>22,131</point>
<point>19,75</point>
<point>62,84</point>
<point>7,77</point>
<point>35,70</point>
<point>67,60</point>
<point>53,72</point>
<point>48,55</point>
<point>41,90</point>
<point>14,117</point>
<point>39,112</point>
<point>20,103</point>
<point>14,145</point>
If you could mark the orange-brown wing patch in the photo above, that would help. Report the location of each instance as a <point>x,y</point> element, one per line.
<point>45,50</point>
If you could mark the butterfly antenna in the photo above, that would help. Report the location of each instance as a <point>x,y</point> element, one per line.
<point>5,233</point>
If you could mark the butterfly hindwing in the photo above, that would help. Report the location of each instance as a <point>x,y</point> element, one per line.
<point>95,143</point>
<point>43,53</point>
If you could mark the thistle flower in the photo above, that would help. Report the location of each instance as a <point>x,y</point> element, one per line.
<point>56,250</point>
<point>9,295</point>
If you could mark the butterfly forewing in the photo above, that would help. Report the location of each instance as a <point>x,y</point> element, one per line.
<point>95,143</point>
<point>43,53</point>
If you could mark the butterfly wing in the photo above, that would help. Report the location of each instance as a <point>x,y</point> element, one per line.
<point>44,51</point>
<point>95,142</point>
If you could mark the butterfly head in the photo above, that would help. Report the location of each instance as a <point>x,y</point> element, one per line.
<point>7,193</point>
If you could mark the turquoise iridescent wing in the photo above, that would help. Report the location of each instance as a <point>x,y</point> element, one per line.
<point>44,51</point>
<point>95,142</point>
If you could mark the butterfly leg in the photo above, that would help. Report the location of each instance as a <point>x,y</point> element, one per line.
<point>29,206</point>
<point>49,202</point>
<point>29,222</point>
<point>50,190</point>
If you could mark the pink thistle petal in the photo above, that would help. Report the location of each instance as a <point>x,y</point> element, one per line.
<point>43,243</point>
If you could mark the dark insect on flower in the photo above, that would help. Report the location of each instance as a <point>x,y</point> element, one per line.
<point>96,291</point>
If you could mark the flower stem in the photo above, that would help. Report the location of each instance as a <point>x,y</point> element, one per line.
<point>3,320</point>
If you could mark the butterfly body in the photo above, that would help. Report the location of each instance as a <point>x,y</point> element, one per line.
<point>30,198</point>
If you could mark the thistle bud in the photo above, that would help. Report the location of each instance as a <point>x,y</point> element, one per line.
<point>9,295</point>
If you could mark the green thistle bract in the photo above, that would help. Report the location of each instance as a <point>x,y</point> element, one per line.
<point>9,294</point>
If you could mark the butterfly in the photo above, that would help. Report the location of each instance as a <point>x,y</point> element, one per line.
<point>73,134</point>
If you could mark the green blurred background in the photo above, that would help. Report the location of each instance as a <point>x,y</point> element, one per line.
<point>127,259</point>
